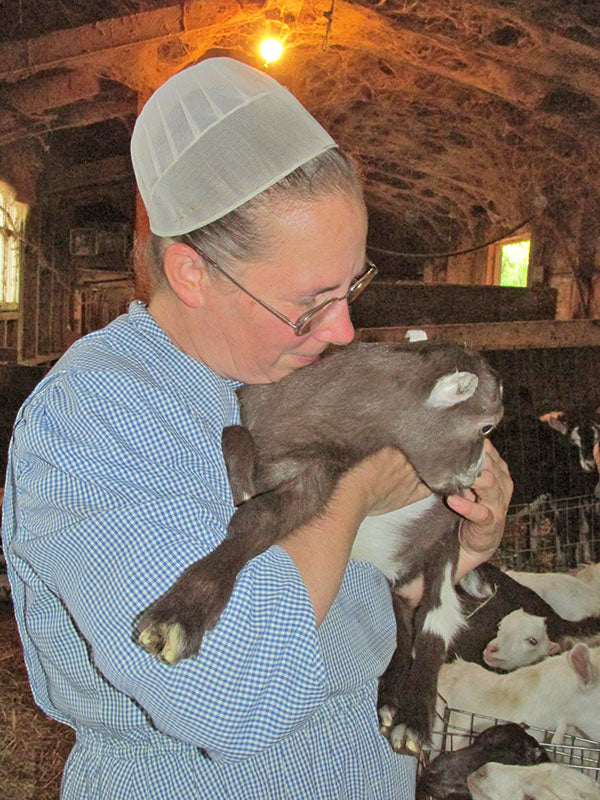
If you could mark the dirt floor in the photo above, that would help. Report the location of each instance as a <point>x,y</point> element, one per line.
<point>33,748</point>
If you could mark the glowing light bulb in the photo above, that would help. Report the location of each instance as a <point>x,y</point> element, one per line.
<point>270,50</point>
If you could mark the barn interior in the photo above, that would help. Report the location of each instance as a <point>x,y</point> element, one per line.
<point>476,126</point>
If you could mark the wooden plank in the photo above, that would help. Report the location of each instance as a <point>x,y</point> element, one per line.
<point>107,170</point>
<point>8,355</point>
<point>47,358</point>
<point>76,116</point>
<point>499,335</point>
<point>415,303</point>
<point>39,93</point>
<point>62,48</point>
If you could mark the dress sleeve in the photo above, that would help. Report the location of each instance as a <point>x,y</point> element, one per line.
<point>115,501</point>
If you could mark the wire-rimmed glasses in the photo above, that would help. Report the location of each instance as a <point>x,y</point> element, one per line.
<point>314,315</point>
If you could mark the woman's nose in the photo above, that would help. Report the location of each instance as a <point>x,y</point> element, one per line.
<point>336,327</point>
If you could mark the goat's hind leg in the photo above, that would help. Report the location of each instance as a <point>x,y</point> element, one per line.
<point>437,620</point>
<point>397,671</point>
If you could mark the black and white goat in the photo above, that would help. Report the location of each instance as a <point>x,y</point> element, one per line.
<point>445,777</point>
<point>550,457</point>
<point>581,427</point>
<point>434,402</point>
<point>502,596</point>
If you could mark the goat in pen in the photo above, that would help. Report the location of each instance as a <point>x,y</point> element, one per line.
<point>553,519</point>
<point>435,403</point>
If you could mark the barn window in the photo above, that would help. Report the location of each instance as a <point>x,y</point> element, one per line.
<point>508,263</point>
<point>12,229</point>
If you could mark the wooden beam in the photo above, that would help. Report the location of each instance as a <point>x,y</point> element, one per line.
<point>465,56</point>
<point>39,93</point>
<point>499,335</point>
<point>107,170</point>
<point>63,48</point>
<point>542,53</point>
<point>77,115</point>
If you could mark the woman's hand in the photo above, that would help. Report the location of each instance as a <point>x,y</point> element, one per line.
<point>483,507</point>
<point>386,481</point>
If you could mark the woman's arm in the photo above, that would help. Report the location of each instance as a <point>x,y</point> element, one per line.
<point>321,549</point>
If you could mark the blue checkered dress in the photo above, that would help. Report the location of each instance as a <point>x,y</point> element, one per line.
<point>116,483</point>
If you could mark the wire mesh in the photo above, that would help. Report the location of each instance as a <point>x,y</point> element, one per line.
<point>551,535</point>
<point>455,729</point>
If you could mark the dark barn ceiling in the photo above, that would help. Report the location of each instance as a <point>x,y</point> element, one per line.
<point>467,117</point>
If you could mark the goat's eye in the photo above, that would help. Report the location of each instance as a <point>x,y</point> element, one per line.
<point>531,640</point>
<point>485,429</point>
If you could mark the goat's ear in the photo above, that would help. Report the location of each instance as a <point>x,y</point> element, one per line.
<point>451,389</point>
<point>239,452</point>
<point>579,659</point>
<point>556,420</point>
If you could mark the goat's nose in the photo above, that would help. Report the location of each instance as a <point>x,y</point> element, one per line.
<point>491,648</point>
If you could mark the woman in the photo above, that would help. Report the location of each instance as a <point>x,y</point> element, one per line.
<point>116,480</point>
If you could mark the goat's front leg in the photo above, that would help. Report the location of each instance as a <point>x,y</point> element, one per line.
<point>173,626</point>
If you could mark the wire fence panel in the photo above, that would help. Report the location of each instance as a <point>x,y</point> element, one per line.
<point>551,535</point>
<point>455,729</point>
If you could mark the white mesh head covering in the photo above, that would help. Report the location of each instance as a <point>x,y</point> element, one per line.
<point>214,136</point>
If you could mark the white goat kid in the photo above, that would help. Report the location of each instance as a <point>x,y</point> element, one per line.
<point>560,694</point>
<point>568,595</point>
<point>522,640</point>
<point>537,782</point>
<point>589,574</point>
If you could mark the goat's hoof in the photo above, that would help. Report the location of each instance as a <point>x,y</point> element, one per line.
<point>404,740</point>
<point>386,719</point>
<point>171,629</point>
<point>167,641</point>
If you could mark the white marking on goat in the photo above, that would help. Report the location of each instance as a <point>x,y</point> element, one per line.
<point>474,585</point>
<point>446,619</point>
<point>468,477</point>
<point>379,538</point>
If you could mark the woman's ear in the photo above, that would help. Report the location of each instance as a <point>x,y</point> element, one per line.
<point>186,273</point>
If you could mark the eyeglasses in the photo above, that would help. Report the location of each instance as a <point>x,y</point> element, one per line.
<point>313,316</point>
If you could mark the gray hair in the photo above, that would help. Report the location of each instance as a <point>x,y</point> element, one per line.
<point>243,234</point>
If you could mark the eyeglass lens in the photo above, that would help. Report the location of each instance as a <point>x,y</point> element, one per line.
<point>354,291</point>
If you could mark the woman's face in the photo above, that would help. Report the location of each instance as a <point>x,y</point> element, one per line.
<point>318,248</point>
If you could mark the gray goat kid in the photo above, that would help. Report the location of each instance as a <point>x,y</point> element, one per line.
<point>434,402</point>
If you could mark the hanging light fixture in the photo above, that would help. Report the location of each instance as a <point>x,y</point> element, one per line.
<point>270,50</point>
<point>271,45</point>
